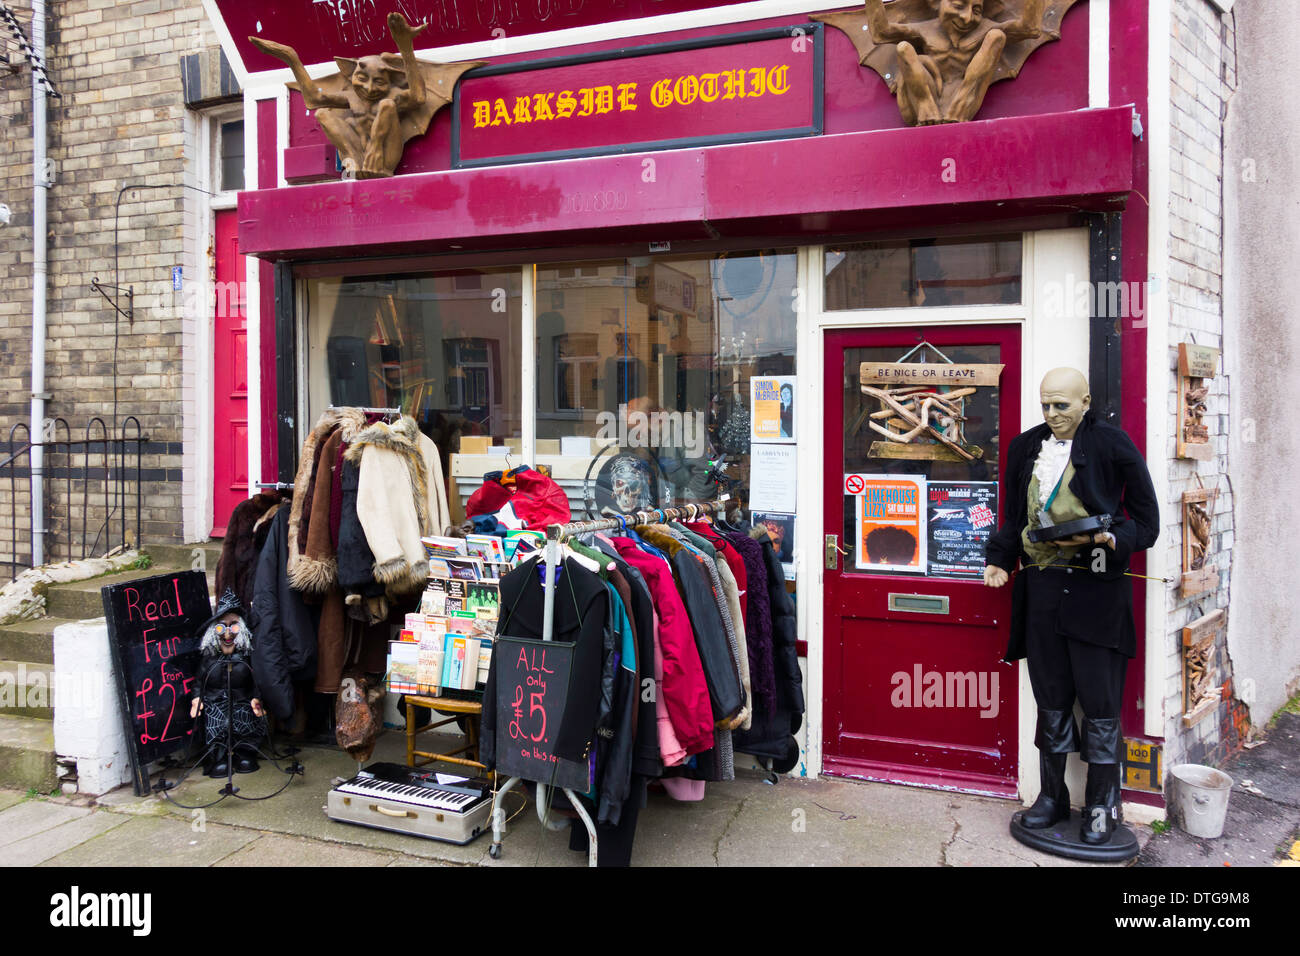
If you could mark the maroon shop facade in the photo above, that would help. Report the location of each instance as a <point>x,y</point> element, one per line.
<point>526,277</point>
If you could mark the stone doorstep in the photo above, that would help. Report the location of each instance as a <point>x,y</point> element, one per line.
<point>26,689</point>
<point>27,754</point>
<point>29,640</point>
<point>81,600</point>
<point>169,556</point>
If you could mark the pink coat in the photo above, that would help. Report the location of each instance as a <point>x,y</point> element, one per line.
<point>683,691</point>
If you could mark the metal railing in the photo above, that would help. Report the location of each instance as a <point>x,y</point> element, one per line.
<point>99,465</point>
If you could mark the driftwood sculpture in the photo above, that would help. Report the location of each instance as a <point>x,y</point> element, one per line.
<point>372,106</point>
<point>923,412</point>
<point>940,57</point>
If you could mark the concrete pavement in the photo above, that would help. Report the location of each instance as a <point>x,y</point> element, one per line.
<point>747,822</point>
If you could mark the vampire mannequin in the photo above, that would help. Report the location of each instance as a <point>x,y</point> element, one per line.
<point>1072,604</point>
<point>225,692</point>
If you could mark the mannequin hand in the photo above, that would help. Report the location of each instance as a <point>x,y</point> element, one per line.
<point>994,576</point>
<point>196,707</point>
<point>257,707</point>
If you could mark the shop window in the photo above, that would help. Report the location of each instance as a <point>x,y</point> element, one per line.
<point>651,360</point>
<point>923,272</point>
<point>444,348</point>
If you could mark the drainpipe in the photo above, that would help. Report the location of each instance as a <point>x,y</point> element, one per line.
<point>40,185</point>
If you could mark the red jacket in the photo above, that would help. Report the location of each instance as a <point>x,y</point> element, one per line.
<point>685,692</point>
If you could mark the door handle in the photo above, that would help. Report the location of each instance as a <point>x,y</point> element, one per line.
<point>833,552</point>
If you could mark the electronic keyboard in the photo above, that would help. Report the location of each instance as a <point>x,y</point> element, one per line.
<point>388,796</point>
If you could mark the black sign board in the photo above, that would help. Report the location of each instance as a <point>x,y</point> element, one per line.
<point>532,680</point>
<point>151,625</point>
<point>960,516</point>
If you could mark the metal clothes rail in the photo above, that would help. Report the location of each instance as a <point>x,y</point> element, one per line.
<point>555,534</point>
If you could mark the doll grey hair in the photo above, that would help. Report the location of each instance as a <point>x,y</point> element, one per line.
<point>211,645</point>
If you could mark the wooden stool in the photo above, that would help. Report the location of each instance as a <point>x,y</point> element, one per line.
<point>471,708</point>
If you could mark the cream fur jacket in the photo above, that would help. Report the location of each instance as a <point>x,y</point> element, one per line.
<point>401,495</point>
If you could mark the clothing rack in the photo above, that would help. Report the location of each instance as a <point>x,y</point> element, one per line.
<point>276,485</point>
<point>551,556</point>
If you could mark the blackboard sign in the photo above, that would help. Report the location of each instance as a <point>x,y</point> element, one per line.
<point>151,625</point>
<point>960,516</point>
<point>532,680</point>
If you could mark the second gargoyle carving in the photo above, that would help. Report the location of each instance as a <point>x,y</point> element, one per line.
<point>373,105</point>
<point>940,57</point>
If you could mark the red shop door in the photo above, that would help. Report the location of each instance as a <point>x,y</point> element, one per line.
<point>916,691</point>
<point>229,376</point>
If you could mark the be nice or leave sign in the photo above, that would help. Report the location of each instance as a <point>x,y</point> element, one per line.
<point>880,374</point>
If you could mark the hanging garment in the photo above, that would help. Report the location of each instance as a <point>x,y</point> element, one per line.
<point>246,533</point>
<point>581,616</point>
<point>400,497</point>
<point>724,582</point>
<point>772,734</point>
<point>312,566</point>
<point>363,595</point>
<point>647,760</point>
<point>285,625</point>
<point>758,621</point>
<point>701,600</point>
<point>684,688</point>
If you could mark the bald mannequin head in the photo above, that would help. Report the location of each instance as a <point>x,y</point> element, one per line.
<point>1065,397</point>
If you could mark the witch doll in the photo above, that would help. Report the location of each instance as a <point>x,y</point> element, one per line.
<point>226,693</point>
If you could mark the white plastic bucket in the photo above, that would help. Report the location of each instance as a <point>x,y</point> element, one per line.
<point>1199,799</point>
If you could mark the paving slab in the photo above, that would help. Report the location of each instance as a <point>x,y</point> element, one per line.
<point>300,809</point>
<point>982,838</point>
<point>151,841</point>
<point>35,816</point>
<point>1273,769</point>
<point>40,847</point>
<point>10,797</point>
<point>274,850</point>
<point>1254,830</point>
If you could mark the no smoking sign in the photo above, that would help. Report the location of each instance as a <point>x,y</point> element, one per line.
<point>854,484</point>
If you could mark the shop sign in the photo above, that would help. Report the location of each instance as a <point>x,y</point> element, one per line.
<point>155,650</point>
<point>760,85</point>
<point>532,688</point>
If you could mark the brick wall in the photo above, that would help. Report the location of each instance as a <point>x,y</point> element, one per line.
<point>121,122</point>
<point>1203,73</point>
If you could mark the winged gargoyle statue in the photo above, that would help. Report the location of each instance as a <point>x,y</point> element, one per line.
<point>940,57</point>
<point>373,105</point>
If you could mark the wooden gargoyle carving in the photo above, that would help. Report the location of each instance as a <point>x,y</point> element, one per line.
<point>373,105</point>
<point>940,57</point>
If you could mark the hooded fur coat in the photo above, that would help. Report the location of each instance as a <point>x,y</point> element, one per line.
<point>313,566</point>
<point>401,496</point>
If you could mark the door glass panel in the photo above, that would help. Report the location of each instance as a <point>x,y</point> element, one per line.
<point>917,507</point>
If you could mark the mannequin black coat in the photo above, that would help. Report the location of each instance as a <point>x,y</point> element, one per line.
<point>1110,477</point>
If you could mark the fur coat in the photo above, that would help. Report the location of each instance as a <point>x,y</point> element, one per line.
<point>313,567</point>
<point>246,532</point>
<point>401,496</point>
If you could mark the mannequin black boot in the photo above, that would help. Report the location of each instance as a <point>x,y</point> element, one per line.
<point>245,760</point>
<point>1101,811</point>
<point>1053,803</point>
<point>220,764</point>
<point>1056,737</point>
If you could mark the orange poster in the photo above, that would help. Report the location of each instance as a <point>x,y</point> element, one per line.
<point>891,521</point>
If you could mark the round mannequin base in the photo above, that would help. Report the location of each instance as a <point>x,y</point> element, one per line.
<point>1062,839</point>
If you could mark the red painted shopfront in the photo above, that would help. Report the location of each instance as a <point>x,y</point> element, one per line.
<point>833,164</point>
